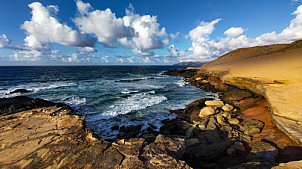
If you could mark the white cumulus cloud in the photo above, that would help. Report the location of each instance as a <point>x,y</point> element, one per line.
<point>4,41</point>
<point>104,24</point>
<point>44,28</point>
<point>148,35</point>
<point>175,52</point>
<point>204,48</point>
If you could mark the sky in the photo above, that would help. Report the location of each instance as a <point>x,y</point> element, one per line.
<point>136,32</point>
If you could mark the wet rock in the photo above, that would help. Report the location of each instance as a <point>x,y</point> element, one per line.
<point>127,132</point>
<point>22,103</point>
<point>227,107</point>
<point>262,152</point>
<point>116,127</point>
<point>207,111</point>
<point>129,147</point>
<point>214,103</point>
<point>149,137</point>
<point>21,91</point>
<point>192,142</point>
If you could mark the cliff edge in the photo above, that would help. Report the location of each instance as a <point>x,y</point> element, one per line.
<point>273,71</point>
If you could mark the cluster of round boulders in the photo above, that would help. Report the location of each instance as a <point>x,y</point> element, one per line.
<point>213,131</point>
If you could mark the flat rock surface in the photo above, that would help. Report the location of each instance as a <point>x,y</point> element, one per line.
<point>54,137</point>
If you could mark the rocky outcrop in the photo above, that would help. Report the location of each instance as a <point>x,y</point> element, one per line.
<point>22,103</point>
<point>51,136</point>
<point>180,72</point>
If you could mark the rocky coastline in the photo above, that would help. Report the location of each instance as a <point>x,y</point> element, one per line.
<point>233,132</point>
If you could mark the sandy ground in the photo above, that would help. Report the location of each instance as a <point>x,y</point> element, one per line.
<point>273,71</point>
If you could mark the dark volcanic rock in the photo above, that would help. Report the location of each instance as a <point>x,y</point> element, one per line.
<point>209,151</point>
<point>127,132</point>
<point>18,91</point>
<point>22,103</point>
<point>181,72</point>
<point>234,94</point>
<point>262,152</point>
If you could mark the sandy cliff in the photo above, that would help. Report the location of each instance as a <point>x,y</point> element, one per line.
<point>274,71</point>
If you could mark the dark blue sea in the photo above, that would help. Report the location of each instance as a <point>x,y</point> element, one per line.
<point>106,95</point>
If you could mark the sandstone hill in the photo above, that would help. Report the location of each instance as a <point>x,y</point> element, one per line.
<point>273,71</point>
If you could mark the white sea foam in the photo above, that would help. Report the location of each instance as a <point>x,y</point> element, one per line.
<point>126,91</point>
<point>181,83</point>
<point>75,101</point>
<point>36,87</point>
<point>135,102</point>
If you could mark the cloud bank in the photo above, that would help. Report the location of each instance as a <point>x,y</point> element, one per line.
<point>204,48</point>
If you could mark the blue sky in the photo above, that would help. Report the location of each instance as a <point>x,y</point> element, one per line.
<point>136,32</point>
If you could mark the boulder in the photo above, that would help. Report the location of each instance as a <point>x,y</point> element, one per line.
<point>231,151</point>
<point>233,121</point>
<point>220,120</point>
<point>252,131</point>
<point>196,105</point>
<point>207,111</point>
<point>239,146</point>
<point>210,151</point>
<point>214,103</point>
<point>227,107</point>
<point>21,91</point>
<point>192,142</point>
<point>189,132</point>
<point>252,127</point>
<point>262,152</point>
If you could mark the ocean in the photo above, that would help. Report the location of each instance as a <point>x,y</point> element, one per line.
<point>106,96</point>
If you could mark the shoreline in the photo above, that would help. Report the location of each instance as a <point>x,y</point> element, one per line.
<point>174,146</point>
